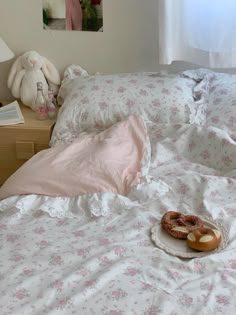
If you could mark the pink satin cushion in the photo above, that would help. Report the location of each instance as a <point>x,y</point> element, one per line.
<point>109,161</point>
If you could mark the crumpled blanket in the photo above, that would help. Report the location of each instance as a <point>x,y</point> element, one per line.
<point>110,161</point>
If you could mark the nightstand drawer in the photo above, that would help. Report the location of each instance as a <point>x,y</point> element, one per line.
<point>24,150</point>
<point>18,143</point>
<point>14,152</point>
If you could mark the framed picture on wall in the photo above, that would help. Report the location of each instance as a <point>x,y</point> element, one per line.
<point>73,15</point>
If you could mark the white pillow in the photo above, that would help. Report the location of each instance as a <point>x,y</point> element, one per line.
<point>219,91</point>
<point>94,102</point>
<point>221,111</point>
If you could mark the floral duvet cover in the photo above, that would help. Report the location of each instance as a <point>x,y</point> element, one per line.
<point>106,264</point>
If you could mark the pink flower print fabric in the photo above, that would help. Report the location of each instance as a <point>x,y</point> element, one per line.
<point>219,94</point>
<point>96,102</point>
<point>221,110</point>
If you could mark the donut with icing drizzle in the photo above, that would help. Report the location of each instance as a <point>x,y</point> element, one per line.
<point>180,225</point>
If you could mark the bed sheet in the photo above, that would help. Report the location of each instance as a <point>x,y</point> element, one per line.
<point>107,264</point>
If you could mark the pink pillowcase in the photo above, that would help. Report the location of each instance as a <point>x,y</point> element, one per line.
<point>110,161</point>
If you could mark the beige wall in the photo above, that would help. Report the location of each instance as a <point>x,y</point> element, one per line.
<point>129,41</point>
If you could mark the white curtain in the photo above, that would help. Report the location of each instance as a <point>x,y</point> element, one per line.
<point>198,31</point>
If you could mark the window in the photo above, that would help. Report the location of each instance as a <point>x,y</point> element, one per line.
<point>198,31</point>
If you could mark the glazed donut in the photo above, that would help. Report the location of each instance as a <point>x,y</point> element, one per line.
<point>179,225</point>
<point>204,239</point>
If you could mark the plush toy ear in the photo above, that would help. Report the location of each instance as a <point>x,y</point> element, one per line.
<point>50,71</point>
<point>16,85</point>
<point>16,67</point>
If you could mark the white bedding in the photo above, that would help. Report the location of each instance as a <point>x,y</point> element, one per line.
<point>106,263</point>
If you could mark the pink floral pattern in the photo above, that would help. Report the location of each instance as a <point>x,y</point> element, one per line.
<point>219,90</point>
<point>108,265</point>
<point>221,110</point>
<point>96,102</point>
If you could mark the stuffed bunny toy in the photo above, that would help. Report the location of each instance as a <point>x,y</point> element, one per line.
<point>26,71</point>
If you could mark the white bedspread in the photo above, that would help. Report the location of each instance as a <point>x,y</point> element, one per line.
<point>107,264</point>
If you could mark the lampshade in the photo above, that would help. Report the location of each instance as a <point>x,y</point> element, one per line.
<point>5,51</point>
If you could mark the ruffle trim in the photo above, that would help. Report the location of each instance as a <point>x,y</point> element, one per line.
<point>87,206</point>
<point>198,115</point>
<point>200,93</point>
<point>197,74</point>
<point>96,205</point>
<point>146,160</point>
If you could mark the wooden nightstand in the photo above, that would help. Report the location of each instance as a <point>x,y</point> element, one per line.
<point>18,143</point>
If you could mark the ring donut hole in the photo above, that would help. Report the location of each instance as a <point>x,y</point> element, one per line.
<point>190,221</point>
<point>204,239</point>
<point>179,225</point>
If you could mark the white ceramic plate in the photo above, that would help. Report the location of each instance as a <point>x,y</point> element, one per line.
<point>178,247</point>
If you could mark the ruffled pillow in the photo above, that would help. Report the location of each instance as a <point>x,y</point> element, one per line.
<point>95,102</point>
<point>219,93</point>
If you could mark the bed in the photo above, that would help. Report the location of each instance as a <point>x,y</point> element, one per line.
<point>80,222</point>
